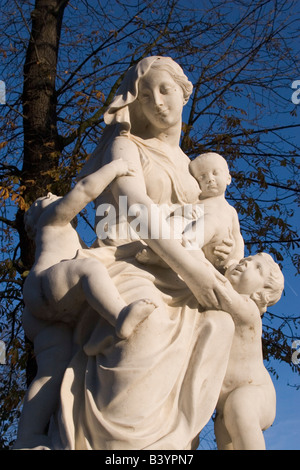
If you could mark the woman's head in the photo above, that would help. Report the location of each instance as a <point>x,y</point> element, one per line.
<point>169,65</point>
<point>125,108</point>
<point>158,106</point>
<point>125,113</point>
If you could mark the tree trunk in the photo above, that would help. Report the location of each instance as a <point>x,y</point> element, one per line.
<point>41,140</point>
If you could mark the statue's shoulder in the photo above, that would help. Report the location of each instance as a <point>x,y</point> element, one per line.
<point>122,147</point>
<point>124,141</point>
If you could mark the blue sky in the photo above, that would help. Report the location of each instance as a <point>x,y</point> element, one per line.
<point>284,434</point>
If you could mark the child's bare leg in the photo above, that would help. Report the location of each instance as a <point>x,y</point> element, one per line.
<point>243,416</point>
<point>99,289</point>
<point>52,349</point>
<point>104,297</point>
<point>69,284</point>
<point>223,439</point>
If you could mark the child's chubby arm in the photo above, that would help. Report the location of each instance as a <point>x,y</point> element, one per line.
<point>86,190</point>
<point>239,248</point>
<point>242,309</point>
<point>232,250</point>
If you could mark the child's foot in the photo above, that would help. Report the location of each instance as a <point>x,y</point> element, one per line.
<point>145,256</point>
<point>132,315</point>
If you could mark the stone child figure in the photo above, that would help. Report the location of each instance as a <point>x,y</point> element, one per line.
<point>59,285</point>
<point>220,219</point>
<point>247,402</point>
<point>218,223</point>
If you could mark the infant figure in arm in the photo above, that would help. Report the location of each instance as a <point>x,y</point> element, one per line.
<point>211,228</point>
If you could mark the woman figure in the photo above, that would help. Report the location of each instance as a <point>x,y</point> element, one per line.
<point>158,388</point>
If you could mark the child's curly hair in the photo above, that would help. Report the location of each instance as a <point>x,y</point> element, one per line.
<point>32,215</point>
<point>273,287</point>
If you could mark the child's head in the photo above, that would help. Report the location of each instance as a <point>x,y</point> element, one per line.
<point>34,212</point>
<point>259,277</point>
<point>212,173</point>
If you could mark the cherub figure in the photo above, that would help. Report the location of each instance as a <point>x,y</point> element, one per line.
<point>56,290</point>
<point>247,402</point>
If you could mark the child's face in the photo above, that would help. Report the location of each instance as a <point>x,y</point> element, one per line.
<point>249,275</point>
<point>212,175</point>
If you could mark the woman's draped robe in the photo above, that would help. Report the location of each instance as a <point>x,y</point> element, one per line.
<point>158,388</point>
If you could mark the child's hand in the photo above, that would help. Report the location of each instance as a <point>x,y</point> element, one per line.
<point>222,252</point>
<point>124,168</point>
<point>197,211</point>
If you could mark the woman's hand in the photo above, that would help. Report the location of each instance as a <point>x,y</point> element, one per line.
<point>210,287</point>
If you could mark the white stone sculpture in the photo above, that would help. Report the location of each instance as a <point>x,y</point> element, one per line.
<point>57,289</point>
<point>247,401</point>
<point>131,373</point>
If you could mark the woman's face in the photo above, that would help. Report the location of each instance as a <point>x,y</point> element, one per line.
<point>161,99</point>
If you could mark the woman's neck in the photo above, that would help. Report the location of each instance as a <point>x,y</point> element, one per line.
<point>170,136</point>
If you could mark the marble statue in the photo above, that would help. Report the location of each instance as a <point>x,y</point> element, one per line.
<point>142,336</point>
<point>58,286</point>
<point>247,401</point>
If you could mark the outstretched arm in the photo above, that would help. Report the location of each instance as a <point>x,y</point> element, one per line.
<point>86,190</point>
<point>242,308</point>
